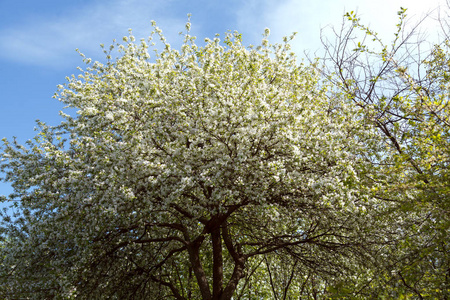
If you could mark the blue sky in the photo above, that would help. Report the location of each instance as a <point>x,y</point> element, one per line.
<point>38,38</point>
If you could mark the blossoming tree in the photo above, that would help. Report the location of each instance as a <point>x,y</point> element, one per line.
<point>182,172</point>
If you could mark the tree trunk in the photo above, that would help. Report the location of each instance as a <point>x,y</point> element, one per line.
<point>194,257</point>
<point>217,263</point>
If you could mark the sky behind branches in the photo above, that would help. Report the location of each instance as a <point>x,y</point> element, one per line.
<point>38,38</point>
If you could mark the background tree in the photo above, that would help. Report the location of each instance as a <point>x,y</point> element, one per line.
<point>180,173</point>
<point>402,88</point>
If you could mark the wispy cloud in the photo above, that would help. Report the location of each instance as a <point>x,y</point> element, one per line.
<point>52,41</point>
<point>283,18</point>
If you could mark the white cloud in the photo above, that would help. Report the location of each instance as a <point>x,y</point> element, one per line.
<point>52,42</point>
<point>307,17</point>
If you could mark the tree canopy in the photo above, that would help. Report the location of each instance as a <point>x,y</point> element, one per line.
<point>402,87</point>
<point>230,172</point>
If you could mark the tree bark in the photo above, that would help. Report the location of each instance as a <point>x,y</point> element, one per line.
<point>194,257</point>
<point>217,263</point>
<point>239,262</point>
<point>238,273</point>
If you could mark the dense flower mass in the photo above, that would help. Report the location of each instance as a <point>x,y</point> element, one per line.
<point>195,174</point>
